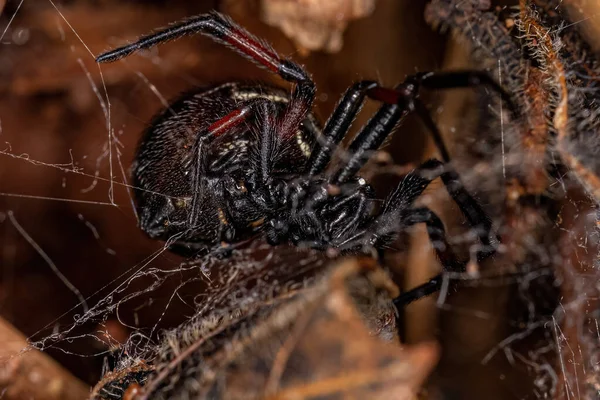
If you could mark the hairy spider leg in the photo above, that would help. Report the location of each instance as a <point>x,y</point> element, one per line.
<point>344,113</point>
<point>342,224</point>
<point>431,286</point>
<point>338,124</point>
<point>219,28</point>
<point>373,134</point>
<point>398,212</point>
<point>405,97</point>
<point>346,110</point>
<point>267,142</point>
<point>368,139</point>
<point>263,110</point>
<point>224,30</point>
<point>198,183</point>
<point>468,79</point>
<point>203,141</point>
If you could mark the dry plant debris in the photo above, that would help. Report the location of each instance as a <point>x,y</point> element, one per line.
<point>549,161</point>
<point>335,338</point>
<point>27,373</point>
<point>551,71</point>
<point>315,24</point>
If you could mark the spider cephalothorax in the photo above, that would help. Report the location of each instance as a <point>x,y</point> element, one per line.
<point>222,163</point>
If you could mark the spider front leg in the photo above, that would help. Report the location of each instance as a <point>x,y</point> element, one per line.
<point>204,140</point>
<point>403,100</point>
<point>262,110</point>
<point>398,214</point>
<point>337,125</point>
<point>348,107</point>
<point>341,119</point>
<point>224,30</point>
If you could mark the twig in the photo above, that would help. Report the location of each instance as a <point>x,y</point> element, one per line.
<point>27,373</point>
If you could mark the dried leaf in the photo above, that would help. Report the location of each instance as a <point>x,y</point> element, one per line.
<point>27,373</point>
<point>335,339</point>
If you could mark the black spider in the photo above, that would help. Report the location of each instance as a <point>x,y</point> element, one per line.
<point>225,162</point>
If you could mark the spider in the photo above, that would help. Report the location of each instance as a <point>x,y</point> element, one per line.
<point>223,163</point>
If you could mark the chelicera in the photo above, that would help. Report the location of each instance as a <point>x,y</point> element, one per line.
<point>225,163</point>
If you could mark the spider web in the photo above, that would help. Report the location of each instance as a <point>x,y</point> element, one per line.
<point>133,287</point>
<point>561,65</point>
<point>66,207</point>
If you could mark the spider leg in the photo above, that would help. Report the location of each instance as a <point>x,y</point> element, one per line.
<point>437,236</point>
<point>268,142</point>
<point>260,107</point>
<point>476,217</point>
<point>221,29</point>
<point>346,110</point>
<point>423,113</point>
<point>469,207</point>
<point>453,80</point>
<point>467,79</point>
<point>350,212</point>
<point>224,30</point>
<point>447,257</point>
<point>342,116</point>
<point>338,124</point>
<point>405,99</point>
<point>424,290</point>
<point>370,138</point>
<point>398,213</point>
<point>203,141</point>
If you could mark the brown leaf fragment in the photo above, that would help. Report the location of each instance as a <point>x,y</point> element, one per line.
<point>399,380</point>
<point>123,384</point>
<point>315,24</point>
<point>27,373</point>
<point>336,338</point>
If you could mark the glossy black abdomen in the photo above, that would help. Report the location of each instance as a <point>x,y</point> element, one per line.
<point>164,161</point>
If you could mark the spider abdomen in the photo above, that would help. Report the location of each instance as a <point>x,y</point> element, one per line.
<point>164,200</point>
